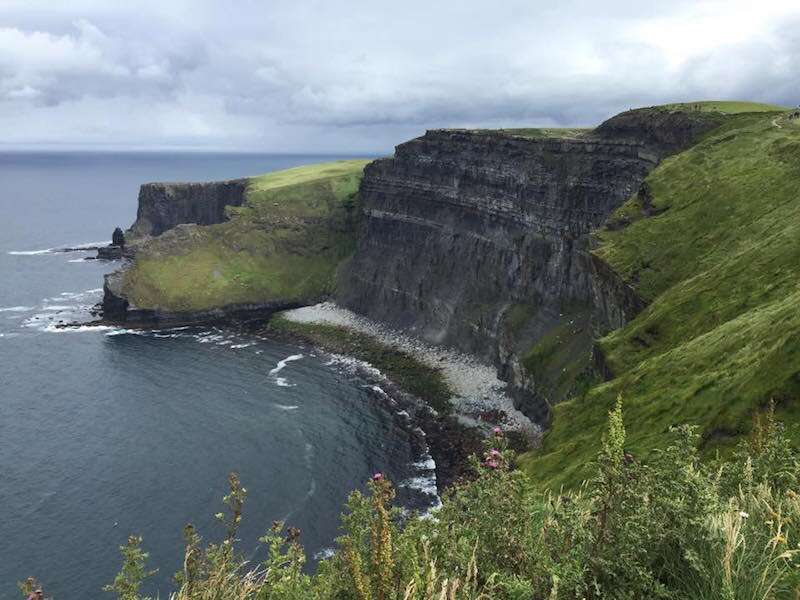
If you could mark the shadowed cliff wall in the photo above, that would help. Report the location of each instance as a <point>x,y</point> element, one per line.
<point>480,240</point>
<point>162,206</point>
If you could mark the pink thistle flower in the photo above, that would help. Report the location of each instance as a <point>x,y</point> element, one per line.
<point>377,477</point>
<point>492,464</point>
<point>497,431</point>
<point>494,452</point>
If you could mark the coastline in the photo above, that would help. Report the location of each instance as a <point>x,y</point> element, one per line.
<point>476,401</point>
<point>477,393</point>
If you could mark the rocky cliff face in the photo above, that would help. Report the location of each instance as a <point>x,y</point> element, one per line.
<point>162,206</point>
<point>480,241</point>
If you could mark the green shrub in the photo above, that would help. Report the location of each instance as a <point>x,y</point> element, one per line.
<point>670,527</point>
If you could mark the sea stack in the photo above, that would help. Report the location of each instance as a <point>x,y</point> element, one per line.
<point>114,249</point>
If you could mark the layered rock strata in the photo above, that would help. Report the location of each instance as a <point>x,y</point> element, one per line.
<point>480,241</point>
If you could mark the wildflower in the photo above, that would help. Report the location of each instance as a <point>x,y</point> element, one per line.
<point>497,431</point>
<point>377,477</point>
<point>219,516</point>
<point>494,452</point>
<point>491,463</point>
<point>744,515</point>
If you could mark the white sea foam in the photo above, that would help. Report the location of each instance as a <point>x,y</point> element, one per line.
<point>282,363</point>
<point>77,260</point>
<point>426,463</point>
<point>15,308</point>
<point>283,382</point>
<point>53,328</point>
<point>77,247</point>
<point>324,554</point>
<point>31,252</point>
<point>84,246</point>
<point>379,390</point>
<point>56,307</point>
<point>66,296</point>
<point>286,406</point>
<point>125,332</point>
<point>425,484</point>
<point>246,345</point>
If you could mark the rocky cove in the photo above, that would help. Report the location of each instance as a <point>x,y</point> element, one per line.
<point>475,242</point>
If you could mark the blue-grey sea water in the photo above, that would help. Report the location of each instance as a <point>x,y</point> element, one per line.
<point>108,432</point>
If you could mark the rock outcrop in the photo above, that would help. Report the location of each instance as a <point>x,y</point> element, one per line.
<point>480,240</point>
<point>162,206</point>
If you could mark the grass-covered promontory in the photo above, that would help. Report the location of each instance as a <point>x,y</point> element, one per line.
<point>717,259</point>
<point>285,243</point>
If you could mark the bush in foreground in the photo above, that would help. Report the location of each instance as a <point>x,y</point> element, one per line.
<point>669,527</point>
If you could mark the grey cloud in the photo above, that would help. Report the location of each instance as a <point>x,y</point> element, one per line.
<point>355,75</point>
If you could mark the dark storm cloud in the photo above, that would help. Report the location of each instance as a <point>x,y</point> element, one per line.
<point>362,76</point>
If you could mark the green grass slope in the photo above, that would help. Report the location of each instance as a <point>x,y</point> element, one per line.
<point>726,106</point>
<point>286,242</point>
<point>539,132</point>
<point>719,265</point>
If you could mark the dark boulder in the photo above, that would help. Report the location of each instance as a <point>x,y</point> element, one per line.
<point>110,252</point>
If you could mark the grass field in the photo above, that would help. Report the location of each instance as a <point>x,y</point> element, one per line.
<point>286,243</point>
<point>720,268</point>
<point>726,106</point>
<point>539,132</point>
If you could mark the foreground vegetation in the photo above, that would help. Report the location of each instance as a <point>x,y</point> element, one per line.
<point>670,527</point>
<point>286,243</point>
<point>713,247</point>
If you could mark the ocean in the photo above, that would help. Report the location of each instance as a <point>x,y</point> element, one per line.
<point>106,432</point>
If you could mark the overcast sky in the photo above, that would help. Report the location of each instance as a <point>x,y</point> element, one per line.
<point>353,76</point>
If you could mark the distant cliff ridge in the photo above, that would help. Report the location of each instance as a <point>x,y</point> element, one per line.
<point>163,206</point>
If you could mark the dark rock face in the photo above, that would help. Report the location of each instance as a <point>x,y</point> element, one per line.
<point>118,237</point>
<point>663,131</point>
<point>110,252</point>
<point>162,206</point>
<point>481,240</point>
<point>116,308</point>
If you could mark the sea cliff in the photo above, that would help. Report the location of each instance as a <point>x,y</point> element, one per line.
<point>475,240</point>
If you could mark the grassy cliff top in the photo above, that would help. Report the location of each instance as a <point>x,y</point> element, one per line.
<point>284,243</point>
<point>725,106</point>
<point>305,174</point>
<point>718,261</point>
<point>536,132</point>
